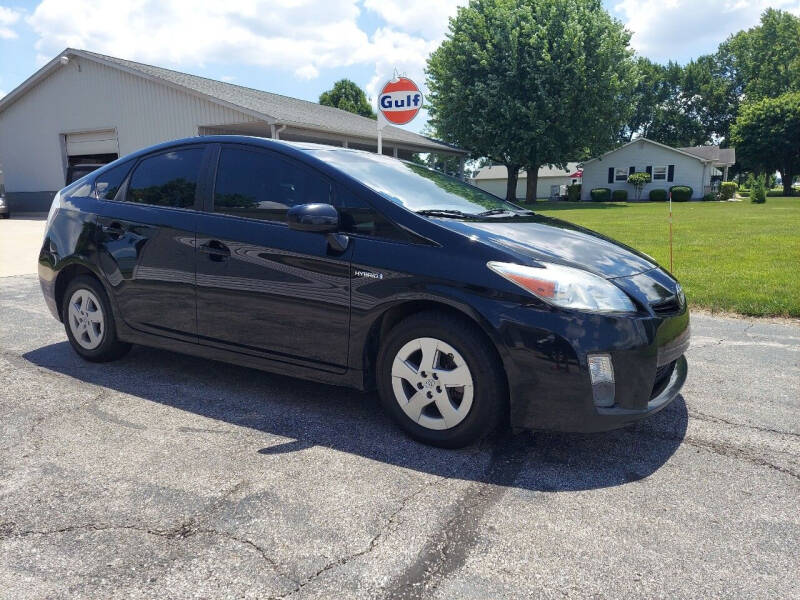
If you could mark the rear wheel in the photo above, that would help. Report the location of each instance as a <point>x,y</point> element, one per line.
<point>89,321</point>
<point>440,380</point>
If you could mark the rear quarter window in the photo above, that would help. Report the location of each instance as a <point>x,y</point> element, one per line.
<point>107,183</point>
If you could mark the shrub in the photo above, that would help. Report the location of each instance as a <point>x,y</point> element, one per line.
<point>574,192</point>
<point>744,193</point>
<point>758,191</point>
<point>619,196</point>
<point>775,193</point>
<point>710,197</point>
<point>601,195</point>
<point>638,181</point>
<point>658,195</point>
<point>727,190</point>
<point>681,193</point>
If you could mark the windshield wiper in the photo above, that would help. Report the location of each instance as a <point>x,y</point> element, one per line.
<point>495,212</point>
<point>442,212</point>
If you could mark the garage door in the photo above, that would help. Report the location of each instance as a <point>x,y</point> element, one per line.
<point>92,142</point>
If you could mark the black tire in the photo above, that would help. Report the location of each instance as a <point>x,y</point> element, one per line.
<point>110,348</point>
<point>490,396</point>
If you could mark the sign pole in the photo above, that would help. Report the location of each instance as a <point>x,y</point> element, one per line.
<point>670,233</point>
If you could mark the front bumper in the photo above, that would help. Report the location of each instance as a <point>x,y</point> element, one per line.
<point>546,354</point>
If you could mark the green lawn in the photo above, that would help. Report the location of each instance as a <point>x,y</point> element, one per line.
<point>729,256</point>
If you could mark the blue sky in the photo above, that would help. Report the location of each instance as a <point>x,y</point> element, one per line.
<point>300,47</point>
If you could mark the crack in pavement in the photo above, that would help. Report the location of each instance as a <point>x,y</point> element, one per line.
<point>725,449</point>
<point>385,530</point>
<point>448,548</point>
<point>719,420</point>
<point>182,531</point>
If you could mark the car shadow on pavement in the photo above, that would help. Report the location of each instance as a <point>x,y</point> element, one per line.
<point>311,414</point>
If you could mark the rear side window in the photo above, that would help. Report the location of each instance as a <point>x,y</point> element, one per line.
<point>168,179</point>
<point>358,216</point>
<point>106,184</point>
<point>261,185</point>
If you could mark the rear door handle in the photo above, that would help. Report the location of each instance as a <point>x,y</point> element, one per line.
<point>216,250</point>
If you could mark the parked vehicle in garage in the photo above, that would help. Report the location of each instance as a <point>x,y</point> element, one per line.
<point>5,213</point>
<point>342,266</point>
<point>77,171</point>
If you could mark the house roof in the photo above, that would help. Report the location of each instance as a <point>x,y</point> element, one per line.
<point>639,140</point>
<point>273,108</point>
<point>719,156</point>
<point>500,172</point>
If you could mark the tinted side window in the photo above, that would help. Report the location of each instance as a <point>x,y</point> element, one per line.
<point>358,216</point>
<point>106,185</point>
<point>168,179</point>
<point>261,185</point>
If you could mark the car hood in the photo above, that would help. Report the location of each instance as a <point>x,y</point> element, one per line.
<point>552,240</point>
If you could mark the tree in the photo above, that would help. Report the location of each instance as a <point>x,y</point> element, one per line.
<point>767,136</point>
<point>663,110</point>
<point>346,95</point>
<point>765,61</point>
<point>531,82</point>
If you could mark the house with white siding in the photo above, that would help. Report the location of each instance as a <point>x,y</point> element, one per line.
<point>494,180</point>
<point>84,107</point>
<point>700,168</point>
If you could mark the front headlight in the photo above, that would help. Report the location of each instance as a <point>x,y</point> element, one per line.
<point>566,287</point>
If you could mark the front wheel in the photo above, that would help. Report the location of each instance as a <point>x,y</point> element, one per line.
<point>89,322</point>
<point>441,380</point>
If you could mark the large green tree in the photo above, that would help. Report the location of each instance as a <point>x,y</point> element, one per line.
<point>346,95</point>
<point>764,62</point>
<point>531,82</point>
<point>767,136</point>
<point>661,109</point>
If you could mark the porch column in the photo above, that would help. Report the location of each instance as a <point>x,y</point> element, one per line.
<point>394,152</point>
<point>461,168</point>
<point>725,174</point>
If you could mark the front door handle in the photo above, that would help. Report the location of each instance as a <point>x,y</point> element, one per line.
<point>216,250</point>
<point>113,230</point>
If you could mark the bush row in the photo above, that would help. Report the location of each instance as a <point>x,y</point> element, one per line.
<point>680,193</point>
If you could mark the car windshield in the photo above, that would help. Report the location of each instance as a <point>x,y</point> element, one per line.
<point>416,187</point>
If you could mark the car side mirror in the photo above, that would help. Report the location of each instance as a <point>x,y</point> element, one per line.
<point>318,218</point>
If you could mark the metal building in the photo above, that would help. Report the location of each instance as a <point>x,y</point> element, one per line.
<point>83,107</point>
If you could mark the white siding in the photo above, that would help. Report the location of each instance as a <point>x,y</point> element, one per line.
<point>498,186</point>
<point>88,96</point>
<point>688,171</point>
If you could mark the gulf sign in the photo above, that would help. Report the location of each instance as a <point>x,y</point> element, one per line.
<point>400,100</point>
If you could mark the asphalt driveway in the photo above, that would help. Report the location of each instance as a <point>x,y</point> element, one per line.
<point>165,476</point>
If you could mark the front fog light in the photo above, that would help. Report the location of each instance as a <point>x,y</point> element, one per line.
<point>601,372</point>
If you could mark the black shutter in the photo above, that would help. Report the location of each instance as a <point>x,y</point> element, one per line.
<point>671,173</point>
<point>632,170</point>
<point>610,174</point>
<point>650,171</point>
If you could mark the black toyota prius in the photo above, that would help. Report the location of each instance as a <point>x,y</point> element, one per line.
<point>463,311</point>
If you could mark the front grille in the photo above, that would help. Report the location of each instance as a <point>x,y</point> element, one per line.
<point>667,307</point>
<point>663,374</point>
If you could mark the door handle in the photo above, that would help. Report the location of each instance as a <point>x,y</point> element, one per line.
<point>114,230</point>
<point>216,250</point>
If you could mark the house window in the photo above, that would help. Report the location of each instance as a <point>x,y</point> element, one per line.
<point>659,173</point>
<point>621,175</point>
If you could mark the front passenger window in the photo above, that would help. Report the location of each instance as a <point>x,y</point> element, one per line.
<point>261,185</point>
